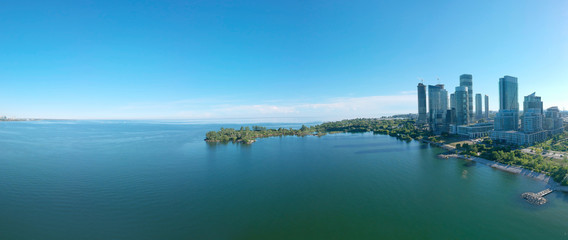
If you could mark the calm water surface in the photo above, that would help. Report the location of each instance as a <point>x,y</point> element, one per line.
<point>160,180</point>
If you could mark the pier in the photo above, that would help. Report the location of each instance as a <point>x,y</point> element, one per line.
<point>537,198</point>
<point>544,192</point>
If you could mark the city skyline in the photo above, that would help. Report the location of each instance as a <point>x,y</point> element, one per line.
<point>458,118</point>
<point>320,61</point>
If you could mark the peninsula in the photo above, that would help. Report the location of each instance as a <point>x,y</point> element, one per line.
<point>401,128</point>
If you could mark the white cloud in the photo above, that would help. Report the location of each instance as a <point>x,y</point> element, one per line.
<point>335,108</point>
<point>283,110</point>
<point>414,92</point>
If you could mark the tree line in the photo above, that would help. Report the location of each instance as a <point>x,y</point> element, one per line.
<point>556,168</point>
<point>403,129</point>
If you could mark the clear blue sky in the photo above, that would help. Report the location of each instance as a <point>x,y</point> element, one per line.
<point>299,59</point>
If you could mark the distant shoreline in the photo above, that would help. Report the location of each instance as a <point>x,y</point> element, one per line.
<point>21,119</point>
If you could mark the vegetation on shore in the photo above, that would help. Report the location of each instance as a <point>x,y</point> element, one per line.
<point>556,168</point>
<point>557,143</point>
<point>403,129</point>
<point>248,135</point>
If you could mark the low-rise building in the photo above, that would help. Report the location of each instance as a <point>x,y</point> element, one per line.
<point>553,121</point>
<point>475,131</point>
<point>519,138</point>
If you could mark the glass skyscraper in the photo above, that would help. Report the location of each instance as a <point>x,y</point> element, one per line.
<point>437,106</point>
<point>508,117</point>
<point>462,105</point>
<point>478,107</point>
<point>486,107</point>
<point>508,93</point>
<point>422,117</point>
<point>466,80</point>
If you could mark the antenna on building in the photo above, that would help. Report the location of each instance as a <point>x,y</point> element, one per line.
<point>438,79</point>
<point>421,80</point>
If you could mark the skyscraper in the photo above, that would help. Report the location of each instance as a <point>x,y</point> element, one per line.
<point>437,106</point>
<point>466,80</point>
<point>508,117</point>
<point>422,117</point>
<point>462,105</point>
<point>478,107</point>
<point>508,93</point>
<point>451,114</point>
<point>486,107</point>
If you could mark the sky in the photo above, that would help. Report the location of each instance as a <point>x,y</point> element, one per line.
<point>316,60</point>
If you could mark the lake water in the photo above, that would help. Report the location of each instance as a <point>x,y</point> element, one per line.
<point>160,180</point>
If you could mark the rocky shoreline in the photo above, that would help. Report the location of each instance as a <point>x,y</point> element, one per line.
<point>533,198</point>
<point>512,169</point>
<point>238,141</point>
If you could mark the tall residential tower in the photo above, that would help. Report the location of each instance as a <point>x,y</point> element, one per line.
<point>486,107</point>
<point>478,107</point>
<point>466,80</point>
<point>422,117</point>
<point>508,117</point>
<point>437,107</point>
<point>508,93</point>
<point>462,105</point>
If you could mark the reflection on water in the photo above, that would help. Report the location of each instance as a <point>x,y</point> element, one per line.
<point>393,149</point>
<point>137,180</point>
<point>362,145</point>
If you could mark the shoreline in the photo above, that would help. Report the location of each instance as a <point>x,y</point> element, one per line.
<point>550,183</point>
<point>500,166</point>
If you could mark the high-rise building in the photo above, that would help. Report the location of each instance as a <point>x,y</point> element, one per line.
<point>451,114</point>
<point>462,105</point>
<point>422,115</point>
<point>532,114</point>
<point>508,93</point>
<point>486,107</point>
<point>507,118</point>
<point>478,107</point>
<point>533,102</point>
<point>466,80</point>
<point>444,98</point>
<point>437,106</point>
